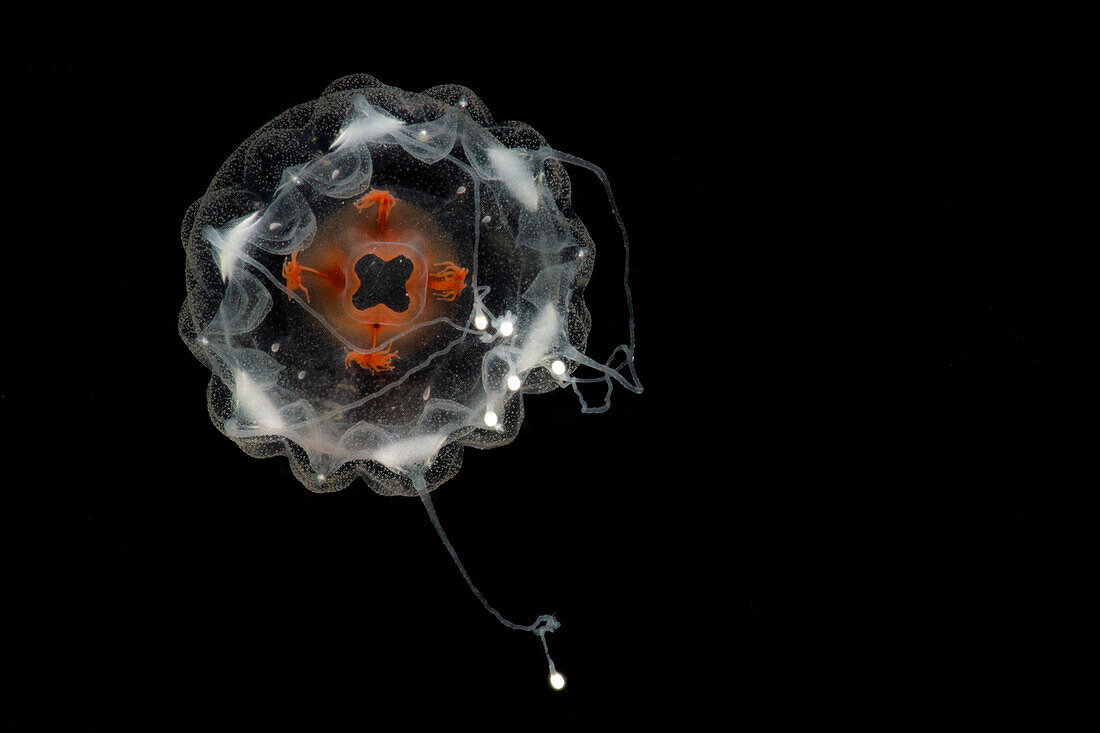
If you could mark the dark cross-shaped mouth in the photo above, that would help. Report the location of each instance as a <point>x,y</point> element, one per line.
<point>382,282</point>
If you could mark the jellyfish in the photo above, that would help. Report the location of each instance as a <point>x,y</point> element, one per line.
<point>378,278</point>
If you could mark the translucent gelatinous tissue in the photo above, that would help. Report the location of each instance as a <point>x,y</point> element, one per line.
<point>376,279</point>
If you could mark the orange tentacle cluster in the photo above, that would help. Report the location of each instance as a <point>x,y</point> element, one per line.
<point>449,281</point>
<point>376,361</point>
<point>385,203</point>
<point>292,272</point>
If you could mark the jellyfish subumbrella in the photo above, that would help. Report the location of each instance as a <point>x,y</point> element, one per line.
<point>376,280</point>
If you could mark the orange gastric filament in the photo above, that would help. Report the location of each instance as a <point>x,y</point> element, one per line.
<point>448,282</point>
<point>385,202</point>
<point>292,272</point>
<point>375,361</point>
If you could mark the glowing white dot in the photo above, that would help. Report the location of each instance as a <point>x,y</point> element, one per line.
<point>490,418</point>
<point>486,219</point>
<point>461,189</point>
<point>302,374</point>
<point>274,347</point>
<point>558,367</point>
<point>204,341</point>
<point>506,328</point>
<point>481,322</point>
<point>320,477</point>
<point>557,680</point>
<point>462,101</point>
<point>514,383</point>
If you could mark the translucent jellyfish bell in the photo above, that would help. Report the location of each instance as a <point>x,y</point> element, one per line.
<point>377,278</point>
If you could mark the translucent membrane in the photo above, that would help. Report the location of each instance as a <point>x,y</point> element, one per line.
<point>377,278</point>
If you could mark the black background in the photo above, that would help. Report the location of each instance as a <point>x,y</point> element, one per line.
<point>838,498</point>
